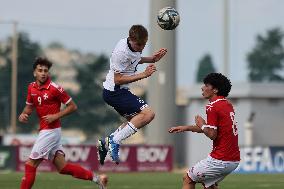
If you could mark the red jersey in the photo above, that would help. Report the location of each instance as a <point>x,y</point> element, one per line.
<point>221,115</point>
<point>47,100</point>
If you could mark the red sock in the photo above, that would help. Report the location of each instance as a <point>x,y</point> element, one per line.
<point>29,178</point>
<point>77,171</point>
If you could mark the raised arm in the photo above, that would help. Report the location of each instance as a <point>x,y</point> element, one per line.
<point>120,79</point>
<point>179,129</point>
<point>155,57</point>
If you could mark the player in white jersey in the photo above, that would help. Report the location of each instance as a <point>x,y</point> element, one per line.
<point>124,60</point>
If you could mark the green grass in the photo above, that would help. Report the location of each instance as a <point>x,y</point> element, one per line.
<point>11,180</point>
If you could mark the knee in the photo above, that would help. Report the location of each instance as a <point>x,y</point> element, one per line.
<point>32,163</point>
<point>59,162</point>
<point>149,116</point>
<point>187,180</point>
<point>152,115</point>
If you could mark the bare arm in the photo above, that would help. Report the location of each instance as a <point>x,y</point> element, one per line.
<point>70,107</point>
<point>179,129</point>
<point>24,116</point>
<point>155,58</point>
<point>209,132</point>
<point>146,60</point>
<point>120,79</point>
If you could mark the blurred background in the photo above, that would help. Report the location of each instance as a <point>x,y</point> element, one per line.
<point>239,38</point>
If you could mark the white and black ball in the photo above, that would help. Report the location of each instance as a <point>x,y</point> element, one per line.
<point>168,18</point>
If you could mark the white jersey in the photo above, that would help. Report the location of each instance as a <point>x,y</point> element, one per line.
<point>124,61</point>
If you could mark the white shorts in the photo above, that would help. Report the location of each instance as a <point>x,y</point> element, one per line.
<point>47,144</point>
<point>210,171</point>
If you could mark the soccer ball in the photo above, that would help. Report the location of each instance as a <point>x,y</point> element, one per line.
<point>168,18</point>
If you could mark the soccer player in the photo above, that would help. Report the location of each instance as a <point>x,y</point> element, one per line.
<point>46,97</point>
<point>221,128</point>
<point>124,60</point>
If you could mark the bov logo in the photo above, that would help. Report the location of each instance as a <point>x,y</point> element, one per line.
<point>152,154</point>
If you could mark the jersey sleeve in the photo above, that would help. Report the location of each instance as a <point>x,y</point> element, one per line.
<point>212,116</point>
<point>29,100</point>
<point>119,62</point>
<point>62,95</point>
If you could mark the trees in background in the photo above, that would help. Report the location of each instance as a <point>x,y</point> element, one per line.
<point>205,67</point>
<point>265,61</point>
<point>27,51</point>
<point>93,114</point>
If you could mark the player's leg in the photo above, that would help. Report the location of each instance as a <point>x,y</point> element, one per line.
<point>131,107</point>
<point>103,144</point>
<point>143,118</point>
<point>78,171</point>
<point>188,183</point>
<point>120,127</point>
<point>30,173</point>
<point>39,152</point>
<point>136,122</point>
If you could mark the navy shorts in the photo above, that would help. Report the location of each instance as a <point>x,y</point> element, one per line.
<point>124,102</point>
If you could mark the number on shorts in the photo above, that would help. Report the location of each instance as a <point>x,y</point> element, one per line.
<point>234,126</point>
<point>141,101</point>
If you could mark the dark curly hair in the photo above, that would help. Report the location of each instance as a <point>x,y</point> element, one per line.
<point>42,61</point>
<point>219,82</point>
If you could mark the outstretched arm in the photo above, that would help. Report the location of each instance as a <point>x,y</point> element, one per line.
<point>70,107</point>
<point>155,58</point>
<point>120,79</point>
<point>179,129</point>
<point>24,116</point>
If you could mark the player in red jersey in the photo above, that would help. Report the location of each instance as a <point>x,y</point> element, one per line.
<point>221,128</point>
<point>46,97</point>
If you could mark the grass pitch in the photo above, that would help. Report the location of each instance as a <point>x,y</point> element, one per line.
<point>11,180</point>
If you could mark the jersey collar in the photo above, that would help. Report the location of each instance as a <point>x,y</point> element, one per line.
<point>216,99</point>
<point>44,86</point>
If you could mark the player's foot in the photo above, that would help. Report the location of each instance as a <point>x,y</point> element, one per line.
<point>113,149</point>
<point>101,181</point>
<point>102,149</point>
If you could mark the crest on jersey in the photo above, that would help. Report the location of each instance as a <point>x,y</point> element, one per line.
<point>45,96</point>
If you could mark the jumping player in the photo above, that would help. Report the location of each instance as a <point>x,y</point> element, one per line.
<point>221,128</point>
<point>124,60</point>
<point>46,97</point>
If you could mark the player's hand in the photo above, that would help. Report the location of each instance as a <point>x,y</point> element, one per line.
<point>159,54</point>
<point>23,118</point>
<point>177,129</point>
<point>199,121</point>
<point>150,70</point>
<point>50,118</point>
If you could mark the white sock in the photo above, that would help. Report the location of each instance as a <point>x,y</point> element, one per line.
<point>96,178</point>
<point>124,133</point>
<point>118,129</point>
